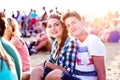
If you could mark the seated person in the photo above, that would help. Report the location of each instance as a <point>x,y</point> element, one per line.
<point>12,34</point>
<point>9,58</point>
<point>42,42</point>
<point>7,66</point>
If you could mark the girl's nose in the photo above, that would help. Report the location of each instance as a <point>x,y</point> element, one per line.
<point>53,28</point>
<point>71,26</point>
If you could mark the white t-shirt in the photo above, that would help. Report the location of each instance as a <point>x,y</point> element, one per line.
<point>91,46</point>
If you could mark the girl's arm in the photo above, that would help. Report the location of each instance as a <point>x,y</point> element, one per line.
<point>53,66</point>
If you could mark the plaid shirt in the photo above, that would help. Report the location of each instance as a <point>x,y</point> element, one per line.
<point>67,55</point>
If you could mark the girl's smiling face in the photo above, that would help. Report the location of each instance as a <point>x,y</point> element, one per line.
<point>54,28</point>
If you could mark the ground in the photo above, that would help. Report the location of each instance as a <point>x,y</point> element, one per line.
<point>112,59</point>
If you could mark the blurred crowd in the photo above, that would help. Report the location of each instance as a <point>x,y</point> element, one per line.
<point>106,27</point>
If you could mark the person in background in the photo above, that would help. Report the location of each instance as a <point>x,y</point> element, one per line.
<point>42,42</point>
<point>7,66</point>
<point>33,19</point>
<point>44,15</point>
<point>90,58</point>
<point>12,34</point>
<point>10,63</point>
<point>18,17</point>
<point>57,11</point>
<point>24,25</point>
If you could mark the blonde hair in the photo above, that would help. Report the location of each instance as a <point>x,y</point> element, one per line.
<point>12,24</point>
<point>15,26</point>
<point>70,14</point>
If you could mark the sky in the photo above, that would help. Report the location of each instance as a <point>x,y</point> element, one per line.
<point>85,7</point>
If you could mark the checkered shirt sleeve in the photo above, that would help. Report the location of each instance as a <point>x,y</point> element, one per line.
<point>67,56</point>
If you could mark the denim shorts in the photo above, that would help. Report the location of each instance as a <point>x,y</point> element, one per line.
<point>66,76</point>
<point>46,71</point>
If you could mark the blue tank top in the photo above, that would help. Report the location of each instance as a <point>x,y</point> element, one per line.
<point>6,73</point>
